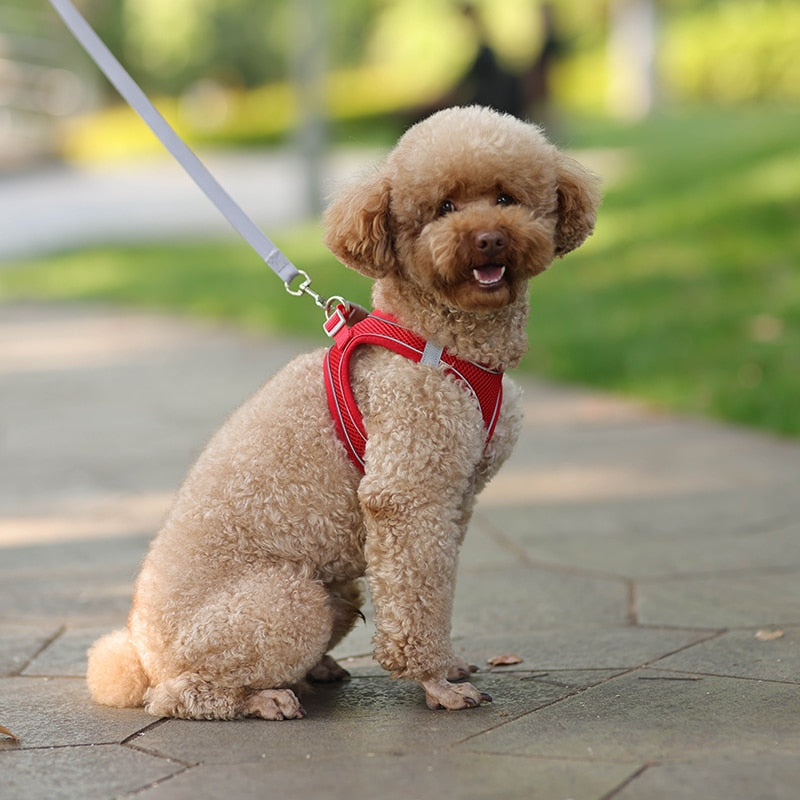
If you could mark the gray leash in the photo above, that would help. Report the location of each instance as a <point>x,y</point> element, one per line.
<point>197,171</point>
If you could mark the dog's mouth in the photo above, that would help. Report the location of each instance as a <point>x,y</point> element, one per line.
<point>490,275</point>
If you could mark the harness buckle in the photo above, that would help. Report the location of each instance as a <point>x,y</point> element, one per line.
<point>336,320</point>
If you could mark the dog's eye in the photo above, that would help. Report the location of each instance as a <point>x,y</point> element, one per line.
<point>446,207</point>
<point>505,200</point>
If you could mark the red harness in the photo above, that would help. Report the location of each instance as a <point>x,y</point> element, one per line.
<point>383,330</point>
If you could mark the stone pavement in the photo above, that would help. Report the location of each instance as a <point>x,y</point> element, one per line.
<point>645,568</point>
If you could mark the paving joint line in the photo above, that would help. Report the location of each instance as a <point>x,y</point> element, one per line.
<point>715,634</point>
<point>82,745</point>
<point>517,550</point>
<point>629,780</point>
<point>513,718</point>
<point>151,726</point>
<point>727,573</point>
<point>62,629</point>
<point>159,782</point>
<point>701,675</point>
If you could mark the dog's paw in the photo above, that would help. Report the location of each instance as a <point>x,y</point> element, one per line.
<point>328,670</point>
<point>274,704</point>
<point>443,694</point>
<point>460,670</point>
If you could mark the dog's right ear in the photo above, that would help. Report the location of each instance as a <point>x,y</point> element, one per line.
<point>357,227</point>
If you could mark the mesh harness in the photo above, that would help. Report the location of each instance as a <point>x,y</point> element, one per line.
<point>381,329</point>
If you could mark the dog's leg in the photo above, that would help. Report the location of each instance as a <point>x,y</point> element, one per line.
<point>192,696</point>
<point>237,654</point>
<point>413,594</point>
<point>426,440</point>
<point>414,527</point>
<point>346,600</point>
<point>494,455</point>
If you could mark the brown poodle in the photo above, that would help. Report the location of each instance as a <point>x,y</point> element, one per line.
<point>255,575</point>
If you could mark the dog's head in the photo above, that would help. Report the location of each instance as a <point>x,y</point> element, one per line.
<point>468,206</point>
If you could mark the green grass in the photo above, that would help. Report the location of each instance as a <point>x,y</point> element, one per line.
<point>220,279</point>
<point>688,295</point>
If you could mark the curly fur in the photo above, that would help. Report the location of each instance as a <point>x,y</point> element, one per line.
<point>255,575</point>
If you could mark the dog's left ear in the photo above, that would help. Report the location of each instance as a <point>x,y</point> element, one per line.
<point>357,227</point>
<point>578,199</point>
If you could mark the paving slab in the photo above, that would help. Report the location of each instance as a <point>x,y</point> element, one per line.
<point>20,643</point>
<point>585,647</point>
<point>97,772</point>
<point>770,654</point>
<point>58,712</point>
<point>398,777</point>
<point>533,598</point>
<point>59,582</point>
<point>653,715</point>
<point>766,776</point>
<point>743,598</point>
<point>652,537</point>
<point>101,418</point>
<point>65,654</point>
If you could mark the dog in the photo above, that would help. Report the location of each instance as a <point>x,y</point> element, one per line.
<point>257,571</point>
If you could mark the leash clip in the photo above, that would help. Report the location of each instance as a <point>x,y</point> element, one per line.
<point>305,288</point>
<point>338,311</point>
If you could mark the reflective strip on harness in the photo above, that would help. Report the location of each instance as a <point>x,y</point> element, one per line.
<point>485,385</point>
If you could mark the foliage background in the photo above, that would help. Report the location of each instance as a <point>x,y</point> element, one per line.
<point>721,50</point>
<point>223,68</point>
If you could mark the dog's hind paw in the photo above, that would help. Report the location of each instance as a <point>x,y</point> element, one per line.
<point>328,670</point>
<point>443,694</point>
<point>274,704</point>
<point>460,670</point>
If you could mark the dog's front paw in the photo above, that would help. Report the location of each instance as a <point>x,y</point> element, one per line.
<point>276,704</point>
<point>443,694</point>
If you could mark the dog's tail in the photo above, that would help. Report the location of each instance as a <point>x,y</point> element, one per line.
<point>115,674</point>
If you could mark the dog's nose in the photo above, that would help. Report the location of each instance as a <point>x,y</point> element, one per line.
<point>490,243</point>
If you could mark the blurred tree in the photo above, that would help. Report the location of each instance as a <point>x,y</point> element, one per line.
<point>309,70</point>
<point>632,57</point>
<point>410,53</point>
<point>734,51</point>
<point>39,81</point>
<point>245,43</point>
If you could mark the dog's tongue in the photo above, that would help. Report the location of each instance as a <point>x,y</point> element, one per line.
<point>489,275</point>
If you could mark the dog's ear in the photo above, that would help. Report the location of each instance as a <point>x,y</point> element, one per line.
<point>357,227</point>
<point>578,199</point>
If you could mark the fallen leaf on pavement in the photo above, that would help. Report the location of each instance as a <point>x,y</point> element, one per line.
<point>769,635</point>
<point>6,732</point>
<point>504,660</point>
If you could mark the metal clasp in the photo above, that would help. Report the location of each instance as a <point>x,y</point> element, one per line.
<point>338,311</point>
<point>305,288</point>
